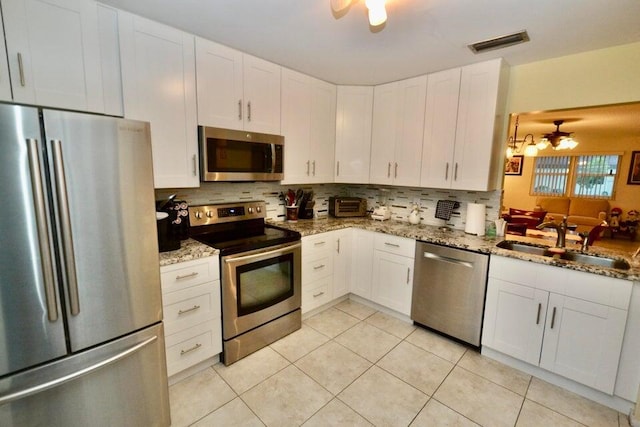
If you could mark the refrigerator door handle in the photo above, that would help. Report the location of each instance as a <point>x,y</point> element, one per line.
<point>42,225</point>
<point>28,391</point>
<point>65,227</point>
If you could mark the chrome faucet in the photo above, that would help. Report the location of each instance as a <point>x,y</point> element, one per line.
<point>561,230</point>
<point>591,236</point>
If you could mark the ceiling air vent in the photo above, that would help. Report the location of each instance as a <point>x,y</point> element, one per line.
<point>500,42</point>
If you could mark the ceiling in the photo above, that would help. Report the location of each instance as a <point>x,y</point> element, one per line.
<point>420,36</point>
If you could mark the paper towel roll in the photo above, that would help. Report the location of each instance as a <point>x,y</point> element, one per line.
<point>476,213</point>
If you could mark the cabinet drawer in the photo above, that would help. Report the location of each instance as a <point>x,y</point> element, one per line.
<point>395,245</point>
<point>314,269</point>
<point>185,274</point>
<point>314,244</point>
<point>316,294</point>
<point>188,307</point>
<point>192,346</point>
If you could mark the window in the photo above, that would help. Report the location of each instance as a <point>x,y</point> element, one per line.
<point>550,176</point>
<point>591,177</point>
<point>595,176</point>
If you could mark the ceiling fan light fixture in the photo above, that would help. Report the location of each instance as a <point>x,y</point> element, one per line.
<point>340,5</point>
<point>542,144</point>
<point>377,12</point>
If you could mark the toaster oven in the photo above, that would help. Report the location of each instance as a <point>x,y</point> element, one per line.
<point>340,207</point>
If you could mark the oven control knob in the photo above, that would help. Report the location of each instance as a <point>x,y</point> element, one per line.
<point>198,214</point>
<point>209,214</point>
<point>258,209</point>
<point>250,210</point>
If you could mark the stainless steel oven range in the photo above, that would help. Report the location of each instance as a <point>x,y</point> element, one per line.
<point>260,267</point>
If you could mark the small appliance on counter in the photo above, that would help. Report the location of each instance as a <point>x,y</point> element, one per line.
<point>306,206</point>
<point>341,207</point>
<point>381,213</point>
<point>444,210</point>
<point>172,223</point>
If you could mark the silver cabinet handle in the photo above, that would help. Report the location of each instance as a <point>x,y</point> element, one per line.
<point>553,317</point>
<point>188,310</point>
<point>538,315</point>
<point>249,111</point>
<point>273,157</point>
<point>389,170</point>
<point>195,171</point>
<point>318,267</point>
<point>338,246</point>
<point>65,227</point>
<point>446,172</point>
<point>319,243</point>
<point>29,391</point>
<point>338,168</point>
<point>239,109</point>
<point>308,164</point>
<point>395,174</point>
<point>391,244</point>
<point>408,274</point>
<point>189,350</point>
<point>21,69</point>
<point>318,294</point>
<point>186,276</point>
<point>314,167</point>
<point>42,225</point>
<point>455,172</point>
<point>447,259</point>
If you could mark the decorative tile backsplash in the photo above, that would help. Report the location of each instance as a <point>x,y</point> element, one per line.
<point>400,199</point>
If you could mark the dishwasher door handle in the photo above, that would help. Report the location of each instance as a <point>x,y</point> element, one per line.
<point>447,259</point>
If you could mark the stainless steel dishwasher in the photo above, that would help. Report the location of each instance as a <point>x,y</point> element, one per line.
<point>449,287</point>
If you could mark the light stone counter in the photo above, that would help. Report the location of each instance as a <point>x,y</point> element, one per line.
<point>458,239</point>
<point>189,249</point>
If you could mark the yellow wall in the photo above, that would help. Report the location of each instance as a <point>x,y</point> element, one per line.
<point>606,76</point>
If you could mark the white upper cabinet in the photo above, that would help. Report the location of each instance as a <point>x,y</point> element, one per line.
<point>465,106</point>
<point>353,133</point>
<point>309,128</point>
<point>5,82</point>
<point>396,140</point>
<point>441,113</point>
<point>158,77</point>
<point>235,90</point>
<point>53,47</point>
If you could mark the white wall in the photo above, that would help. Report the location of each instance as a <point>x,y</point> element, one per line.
<point>600,77</point>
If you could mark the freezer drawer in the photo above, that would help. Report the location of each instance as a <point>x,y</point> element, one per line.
<point>123,383</point>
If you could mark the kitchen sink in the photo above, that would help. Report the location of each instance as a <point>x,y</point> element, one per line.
<point>568,255</point>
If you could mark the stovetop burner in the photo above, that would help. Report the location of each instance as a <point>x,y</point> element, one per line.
<point>236,227</point>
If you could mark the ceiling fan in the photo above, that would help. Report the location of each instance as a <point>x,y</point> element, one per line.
<point>376,8</point>
<point>558,139</point>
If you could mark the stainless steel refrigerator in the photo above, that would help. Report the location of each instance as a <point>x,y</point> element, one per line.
<point>81,335</point>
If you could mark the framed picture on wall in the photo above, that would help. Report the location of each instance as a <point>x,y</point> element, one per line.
<point>634,169</point>
<point>514,166</point>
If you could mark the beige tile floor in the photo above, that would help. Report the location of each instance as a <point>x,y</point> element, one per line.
<point>354,366</point>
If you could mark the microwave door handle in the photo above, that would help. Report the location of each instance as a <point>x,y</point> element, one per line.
<point>273,158</point>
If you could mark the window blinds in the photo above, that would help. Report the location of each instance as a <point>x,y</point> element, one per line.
<point>550,176</point>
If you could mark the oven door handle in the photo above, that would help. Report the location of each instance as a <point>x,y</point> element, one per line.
<point>280,250</point>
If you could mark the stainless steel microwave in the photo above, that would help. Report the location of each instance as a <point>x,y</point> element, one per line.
<point>233,155</point>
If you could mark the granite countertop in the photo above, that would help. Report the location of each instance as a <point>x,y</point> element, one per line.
<point>458,239</point>
<point>189,250</point>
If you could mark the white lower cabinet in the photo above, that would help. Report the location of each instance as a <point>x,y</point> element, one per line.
<point>392,284</point>
<point>362,267</point>
<point>317,270</point>
<point>342,261</point>
<point>192,312</point>
<point>567,322</point>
